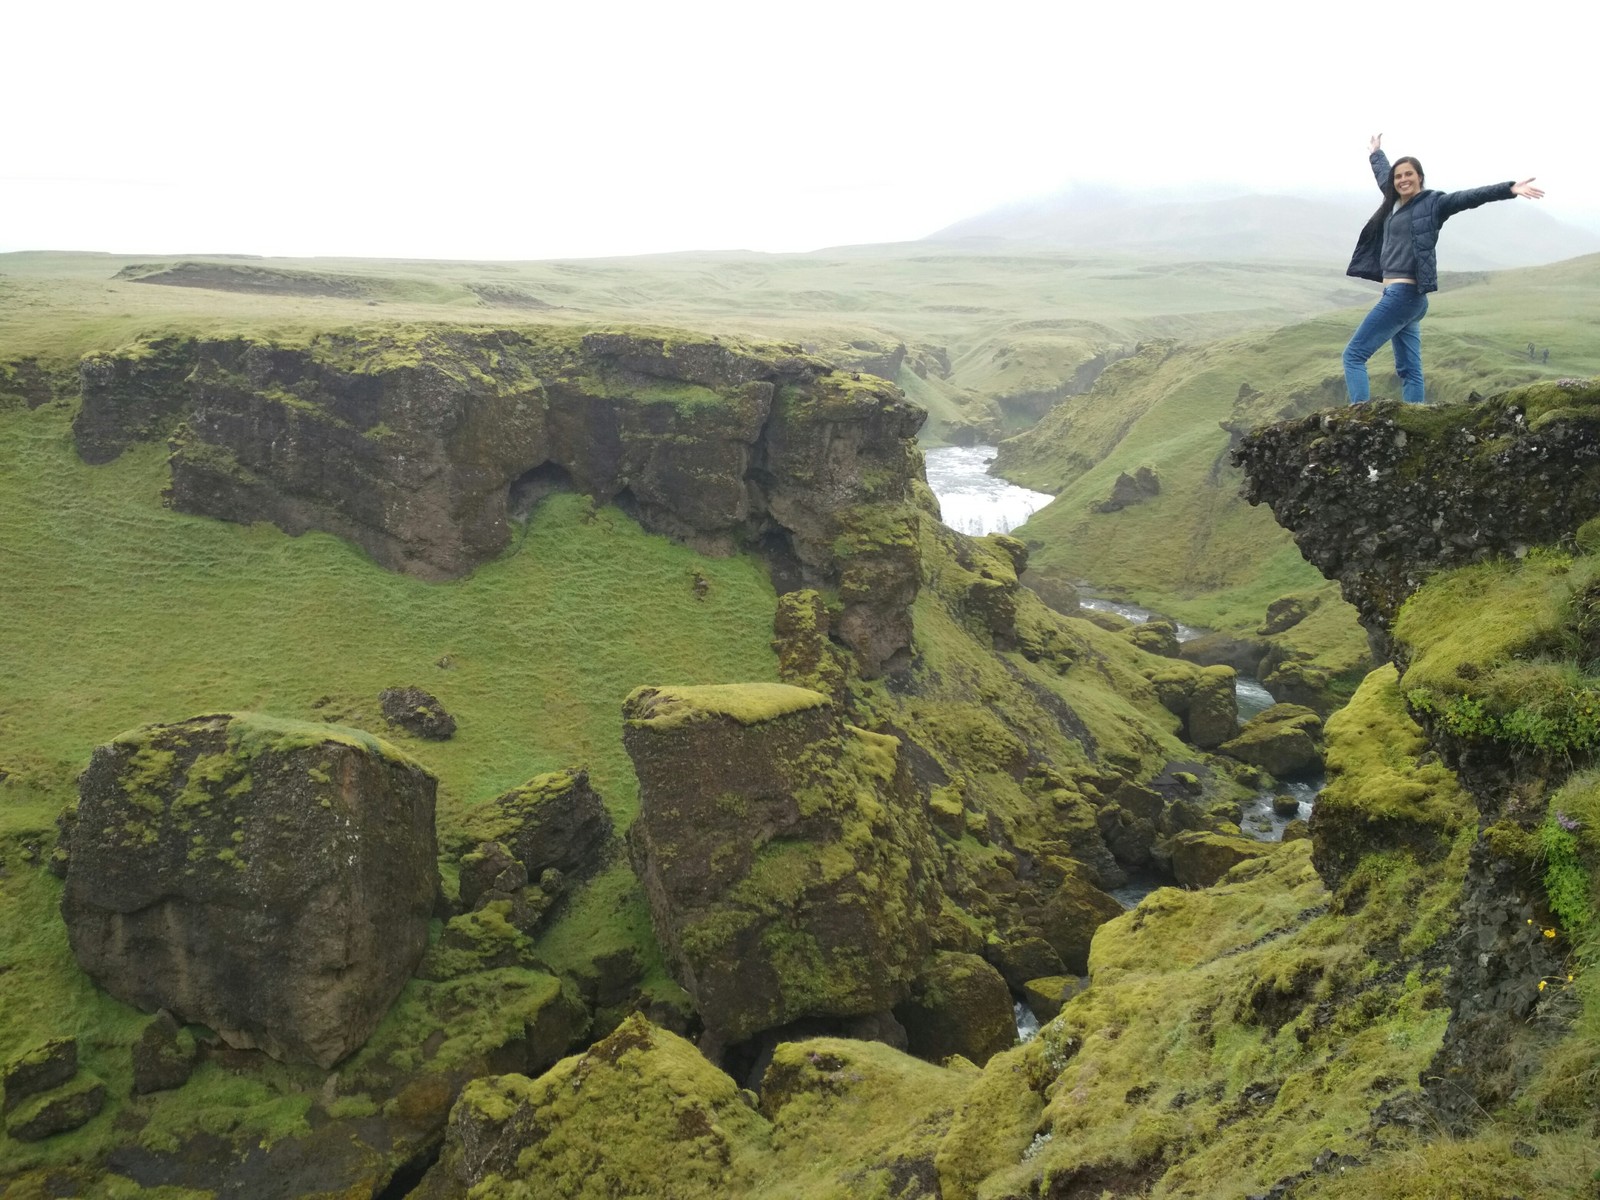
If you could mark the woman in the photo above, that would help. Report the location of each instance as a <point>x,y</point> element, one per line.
<point>1397,246</point>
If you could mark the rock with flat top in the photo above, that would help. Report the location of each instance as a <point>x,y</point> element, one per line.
<point>272,880</point>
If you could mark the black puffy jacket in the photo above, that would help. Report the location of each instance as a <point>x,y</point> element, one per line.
<point>1428,211</point>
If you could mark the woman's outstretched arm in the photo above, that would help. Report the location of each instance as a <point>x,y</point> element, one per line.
<point>1379,160</point>
<point>1454,202</point>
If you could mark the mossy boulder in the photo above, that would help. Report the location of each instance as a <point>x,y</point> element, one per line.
<point>1213,715</point>
<point>1201,857</point>
<point>1021,954</point>
<point>1284,741</point>
<point>1204,698</point>
<point>163,1056</point>
<point>958,1004</point>
<point>640,1113</point>
<point>1058,593</point>
<point>271,880</point>
<point>806,656</point>
<point>1157,636</point>
<point>1286,612</point>
<point>1221,649</point>
<point>57,1111</point>
<point>418,713</point>
<point>38,1070</point>
<point>785,855</point>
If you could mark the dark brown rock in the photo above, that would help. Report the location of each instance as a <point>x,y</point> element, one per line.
<point>490,872</point>
<point>1023,955</point>
<point>959,1004</point>
<point>1129,490</point>
<point>785,856</point>
<point>271,880</point>
<point>418,713</point>
<point>555,821</point>
<point>1070,917</point>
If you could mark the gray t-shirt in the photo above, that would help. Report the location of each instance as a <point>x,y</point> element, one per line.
<point>1399,255</point>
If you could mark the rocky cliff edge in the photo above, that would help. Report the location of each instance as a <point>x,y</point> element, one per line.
<point>425,446</point>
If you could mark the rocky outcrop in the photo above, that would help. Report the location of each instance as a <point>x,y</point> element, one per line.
<point>1490,664</point>
<point>422,448</point>
<point>806,656</point>
<point>1129,490</point>
<point>785,855</point>
<point>1380,496</point>
<point>271,880</point>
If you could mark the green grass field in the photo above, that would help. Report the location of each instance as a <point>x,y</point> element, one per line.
<point>1008,323</point>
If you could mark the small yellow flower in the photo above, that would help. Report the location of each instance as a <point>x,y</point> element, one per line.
<point>1541,985</point>
<point>1549,933</point>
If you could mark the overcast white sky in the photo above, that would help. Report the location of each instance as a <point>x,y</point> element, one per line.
<point>540,129</point>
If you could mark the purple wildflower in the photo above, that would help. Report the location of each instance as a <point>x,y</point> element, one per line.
<point>1566,822</point>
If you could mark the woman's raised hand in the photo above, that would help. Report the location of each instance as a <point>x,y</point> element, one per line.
<point>1526,188</point>
<point>1375,143</point>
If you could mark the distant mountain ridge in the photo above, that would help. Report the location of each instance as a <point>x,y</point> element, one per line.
<point>1262,227</point>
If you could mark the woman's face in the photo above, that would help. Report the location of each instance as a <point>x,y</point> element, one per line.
<point>1407,183</point>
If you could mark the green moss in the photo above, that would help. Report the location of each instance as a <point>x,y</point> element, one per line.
<point>1496,653</point>
<point>1379,764</point>
<point>746,703</point>
<point>641,1105</point>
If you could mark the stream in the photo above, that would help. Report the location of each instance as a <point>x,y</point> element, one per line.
<point>976,502</point>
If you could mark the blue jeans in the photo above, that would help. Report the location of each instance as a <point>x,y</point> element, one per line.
<point>1397,317</point>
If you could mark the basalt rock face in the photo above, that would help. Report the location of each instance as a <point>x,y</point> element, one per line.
<point>422,448</point>
<point>785,855</point>
<point>272,881</point>
<point>1380,496</point>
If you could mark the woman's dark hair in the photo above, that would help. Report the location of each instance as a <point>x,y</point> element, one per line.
<point>1390,196</point>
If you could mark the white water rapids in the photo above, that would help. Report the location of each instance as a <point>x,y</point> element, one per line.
<point>974,501</point>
